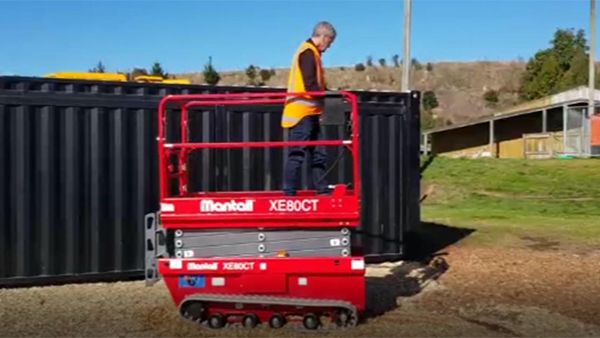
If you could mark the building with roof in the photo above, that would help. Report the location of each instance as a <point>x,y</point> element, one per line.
<point>544,128</point>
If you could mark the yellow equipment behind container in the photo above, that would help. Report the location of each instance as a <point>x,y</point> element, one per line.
<point>115,77</point>
<point>89,76</point>
<point>160,79</point>
<point>177,81</point>
<point>148,78</point>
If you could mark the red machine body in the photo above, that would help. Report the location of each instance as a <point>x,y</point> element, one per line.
<point>292,277</point>
<point>300,278</point>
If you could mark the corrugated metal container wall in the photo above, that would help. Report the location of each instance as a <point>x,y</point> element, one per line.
<point>78,171</point>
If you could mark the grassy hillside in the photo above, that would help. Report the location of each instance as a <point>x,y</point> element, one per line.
<point>459,86</point>
<point>508,200</point>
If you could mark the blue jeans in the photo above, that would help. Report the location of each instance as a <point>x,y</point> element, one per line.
<point>308,129</point>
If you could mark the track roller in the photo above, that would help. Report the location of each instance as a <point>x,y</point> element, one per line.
<point>250,321</point>
<point>193,311</point>
<point>311,321</point>
<point>277,321</point>
<point>216,321</point>
<point>341,318</point>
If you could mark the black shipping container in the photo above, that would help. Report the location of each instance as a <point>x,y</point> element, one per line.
<point>78,171</point>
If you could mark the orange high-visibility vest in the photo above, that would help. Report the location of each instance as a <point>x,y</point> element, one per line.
<point>298,107</point>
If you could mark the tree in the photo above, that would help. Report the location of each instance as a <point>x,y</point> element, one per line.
<point>157,70</point>
<point>251,74</point>
<point>382,62</point>
<point>566,45</point>
<point>265,75</point>
<point>211,76</point>
<point>396,60</point>
<point>560,67</point>
<point>416,64</point>
<point>98,69</point>
<point>369,61</point>
<point>549,75</point>
<point>429,101</point>
<point>429,67</point>
<point>491,97</point>
<point>359,67</point>
<point>577,73</point>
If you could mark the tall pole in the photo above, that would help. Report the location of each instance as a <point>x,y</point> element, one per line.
<point>406,56</point>
<point>592,71</point>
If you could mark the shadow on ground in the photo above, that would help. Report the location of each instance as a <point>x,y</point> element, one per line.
<point>431,239</point>
<point>424,263</point>
<point>426,163</point>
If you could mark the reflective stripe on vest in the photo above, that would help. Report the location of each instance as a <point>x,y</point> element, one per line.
<point>289,119</point>
<point>298,107</point>
<point>310,103</point>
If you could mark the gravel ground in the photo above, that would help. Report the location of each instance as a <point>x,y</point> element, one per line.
<point>481,292</point>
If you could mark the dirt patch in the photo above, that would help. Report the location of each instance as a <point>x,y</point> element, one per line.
<point>491,326</point>
<point>515,320</point>
<point>488,292</point>
<point>527,292</point>
<point>540,243</point>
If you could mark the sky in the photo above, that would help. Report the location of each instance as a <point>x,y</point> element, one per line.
<point>41,37</point>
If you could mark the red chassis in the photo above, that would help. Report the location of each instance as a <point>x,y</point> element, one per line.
<point>265,287</point>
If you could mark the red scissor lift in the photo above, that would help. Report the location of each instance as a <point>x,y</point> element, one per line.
<point>255,257</point>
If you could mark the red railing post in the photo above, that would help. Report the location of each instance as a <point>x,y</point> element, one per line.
<point>183,148</point>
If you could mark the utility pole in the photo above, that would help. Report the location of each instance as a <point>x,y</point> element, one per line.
<point>406,56</point>
<point>592,73</point>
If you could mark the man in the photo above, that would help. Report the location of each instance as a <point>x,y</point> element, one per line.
<point>301,113</point>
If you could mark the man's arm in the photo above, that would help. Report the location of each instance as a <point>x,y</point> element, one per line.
<point>308,66</point>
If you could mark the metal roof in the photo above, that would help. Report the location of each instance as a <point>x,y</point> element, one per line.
<point>569,97</point>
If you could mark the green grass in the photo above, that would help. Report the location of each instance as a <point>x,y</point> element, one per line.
<point>504,200</point>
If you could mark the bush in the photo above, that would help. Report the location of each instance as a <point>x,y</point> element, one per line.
<point>429,66</point>
<point>157,70</point>
<point>416,64</point>
<point>429,100</point>
<point>100,68</point>
<point>137,72</point>
<point>251,74</point>
<point>211,76</point>
<point>427,120</point>
<point>265,75</point>
<point>382,62</point>
<point>396,60</point>
<point>491,97</point>
<point>359,67</point>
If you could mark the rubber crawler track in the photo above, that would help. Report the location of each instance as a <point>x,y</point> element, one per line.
<point>270,300</point>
